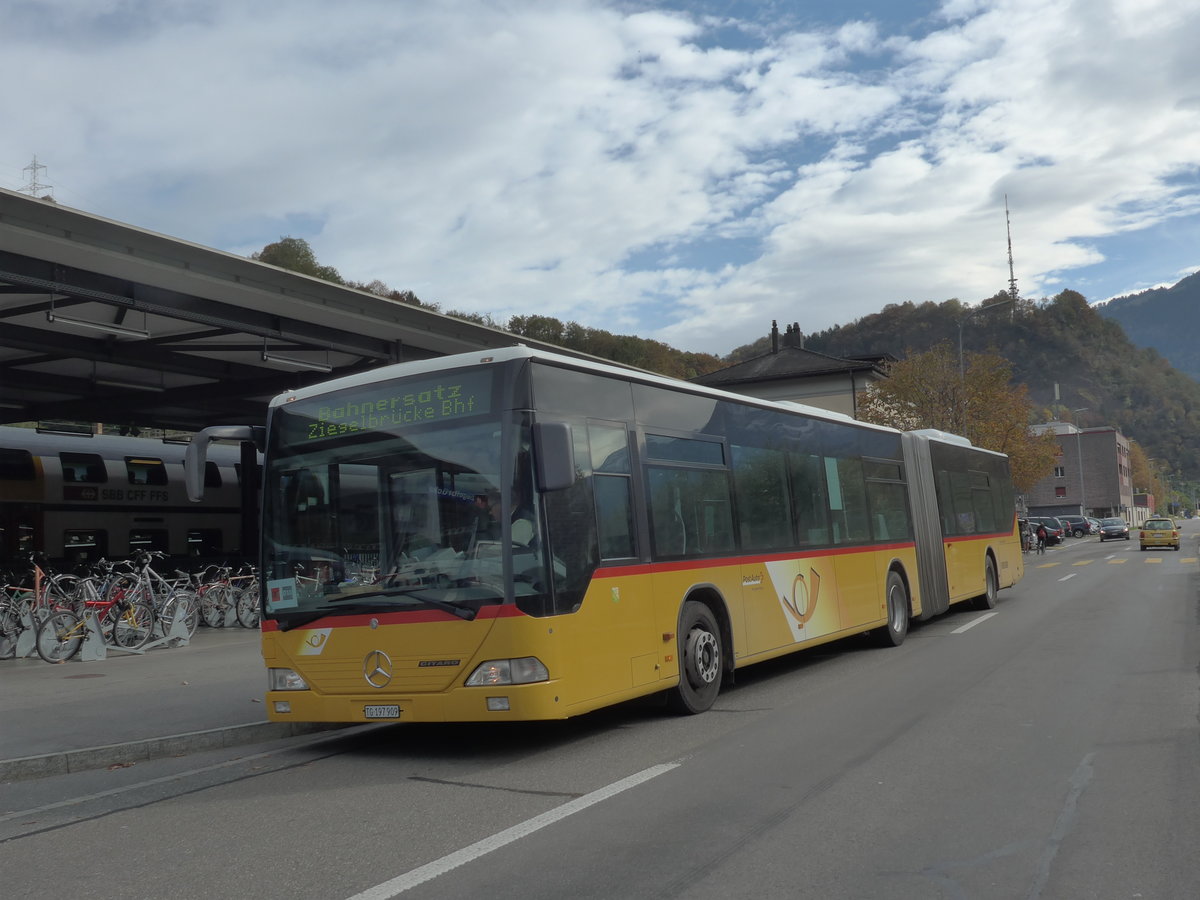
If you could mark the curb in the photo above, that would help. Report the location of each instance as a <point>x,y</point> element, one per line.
<point>69,761</point>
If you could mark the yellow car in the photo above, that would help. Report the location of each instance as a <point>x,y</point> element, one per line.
<point>1160,533</point>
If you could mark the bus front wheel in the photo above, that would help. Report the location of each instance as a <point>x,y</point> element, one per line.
<point>700,660</point>
<point>896,630</point>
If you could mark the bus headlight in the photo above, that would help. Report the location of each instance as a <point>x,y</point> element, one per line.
<point>285,680</point>
<point>525,670</point>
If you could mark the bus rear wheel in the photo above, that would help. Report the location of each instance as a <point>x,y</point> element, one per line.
<point>987,600</point>
<point>896,630</point>
<point>700,660</point>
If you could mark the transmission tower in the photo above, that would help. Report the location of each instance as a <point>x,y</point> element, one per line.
<point>33,187</point>
<point>1012,278</point>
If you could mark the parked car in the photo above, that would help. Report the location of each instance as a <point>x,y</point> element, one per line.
<point>1055,532</point>
<point>1159,532</point>
<point>1095,524</point>
<point>1078,525</point>
<point>1113,529</point>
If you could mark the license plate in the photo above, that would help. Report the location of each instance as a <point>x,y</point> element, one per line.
<point>381,712</point>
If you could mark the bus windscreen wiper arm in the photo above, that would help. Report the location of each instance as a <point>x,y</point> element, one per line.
<point>463,612</point>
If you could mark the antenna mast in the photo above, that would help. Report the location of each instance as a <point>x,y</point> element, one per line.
<point>1012,278</point>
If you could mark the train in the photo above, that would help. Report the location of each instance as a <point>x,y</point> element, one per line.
<point>77,498</point>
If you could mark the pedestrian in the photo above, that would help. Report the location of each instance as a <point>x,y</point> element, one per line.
<point>1041,538</point>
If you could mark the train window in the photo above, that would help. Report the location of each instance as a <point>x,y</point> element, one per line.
<point>148,539</point>
<point>204,541</point>
<point>15,541</point>
<point>212,475</point>
<point>85,544</point>
<point>144,470</point>
<point>16,465</point>
<point>83,468</point>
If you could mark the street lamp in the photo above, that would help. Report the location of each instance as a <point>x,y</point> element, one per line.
<point>962,371</point>
<point>1079,458</point>
<point>1155,481</point>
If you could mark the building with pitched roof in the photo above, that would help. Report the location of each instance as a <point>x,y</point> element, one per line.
<point>792,372</point>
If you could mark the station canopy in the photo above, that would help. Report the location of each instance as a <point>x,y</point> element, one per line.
<point>104,322</point>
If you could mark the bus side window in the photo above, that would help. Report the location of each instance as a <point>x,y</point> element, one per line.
<point>613,486</point>
<point>810,502</point>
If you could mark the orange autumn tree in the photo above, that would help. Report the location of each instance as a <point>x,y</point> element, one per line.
<point>979,402</point>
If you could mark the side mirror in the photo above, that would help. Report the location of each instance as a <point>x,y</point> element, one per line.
<point>554,453</point>
<point>197,452</point>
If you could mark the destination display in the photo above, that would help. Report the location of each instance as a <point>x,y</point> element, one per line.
<point>383,407</point>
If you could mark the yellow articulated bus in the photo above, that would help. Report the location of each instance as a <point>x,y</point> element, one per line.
<point>520,535</point>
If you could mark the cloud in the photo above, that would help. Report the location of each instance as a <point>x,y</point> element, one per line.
<point>643,170</point>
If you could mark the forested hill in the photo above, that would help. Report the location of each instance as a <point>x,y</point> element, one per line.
<point>1068,354</point>
<point>1167,319</point>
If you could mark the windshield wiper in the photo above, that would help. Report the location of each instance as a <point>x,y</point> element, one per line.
<point>463,612</point>
<point>302,618</point>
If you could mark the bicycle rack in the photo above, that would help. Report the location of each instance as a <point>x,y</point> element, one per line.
<point>94,648</point>
<point>27,639</point>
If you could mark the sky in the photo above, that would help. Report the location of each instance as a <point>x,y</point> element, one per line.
<point>682,171</point>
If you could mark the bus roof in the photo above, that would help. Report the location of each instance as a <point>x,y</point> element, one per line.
<point>504,354</point>
<point>933,434</point>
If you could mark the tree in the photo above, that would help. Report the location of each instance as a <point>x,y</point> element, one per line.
<point>926,390</point>
<point>295,255</point>
<point>380,289</point>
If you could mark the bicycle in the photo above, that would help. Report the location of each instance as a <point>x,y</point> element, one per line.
<point>122,622</point>
<point>169,599</point>
<point>215,592</point>
<point>246,604</point>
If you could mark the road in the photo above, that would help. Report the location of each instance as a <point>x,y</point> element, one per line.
<point>1049,748</point>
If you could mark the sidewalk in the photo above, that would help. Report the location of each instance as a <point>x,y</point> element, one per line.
<point>77,715</point>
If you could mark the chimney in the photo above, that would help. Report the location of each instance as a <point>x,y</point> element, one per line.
<point>774,336</point>
<point>798,335</point>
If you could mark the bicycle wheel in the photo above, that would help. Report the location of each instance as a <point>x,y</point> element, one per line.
<point>248,612</point>
<point>10,627</point>
<point>60,636</point>
<point>213,604</point>
<point>180,603</point>
<point>132,627</point>
<point>119,586</point>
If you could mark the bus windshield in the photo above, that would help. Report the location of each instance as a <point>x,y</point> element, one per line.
<point>393,515</point>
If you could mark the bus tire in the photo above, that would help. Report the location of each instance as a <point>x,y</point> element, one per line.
<point>700,660</point>
<point>987,600</point>
<point>896,630</point>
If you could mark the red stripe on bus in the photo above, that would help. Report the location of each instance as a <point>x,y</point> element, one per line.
<point>725,561</point>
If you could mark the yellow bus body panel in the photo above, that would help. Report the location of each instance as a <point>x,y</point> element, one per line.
<point>966,563</point>
<point>621,643</point>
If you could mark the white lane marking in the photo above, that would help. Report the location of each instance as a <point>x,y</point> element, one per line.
<point>1068,577</point>
<point>974,622</point>
<point>432,870</point>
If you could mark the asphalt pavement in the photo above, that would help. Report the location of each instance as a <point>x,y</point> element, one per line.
<point>168,701</point>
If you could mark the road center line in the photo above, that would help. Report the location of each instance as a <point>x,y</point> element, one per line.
<point>432,870</point>
<point>974,622</point>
